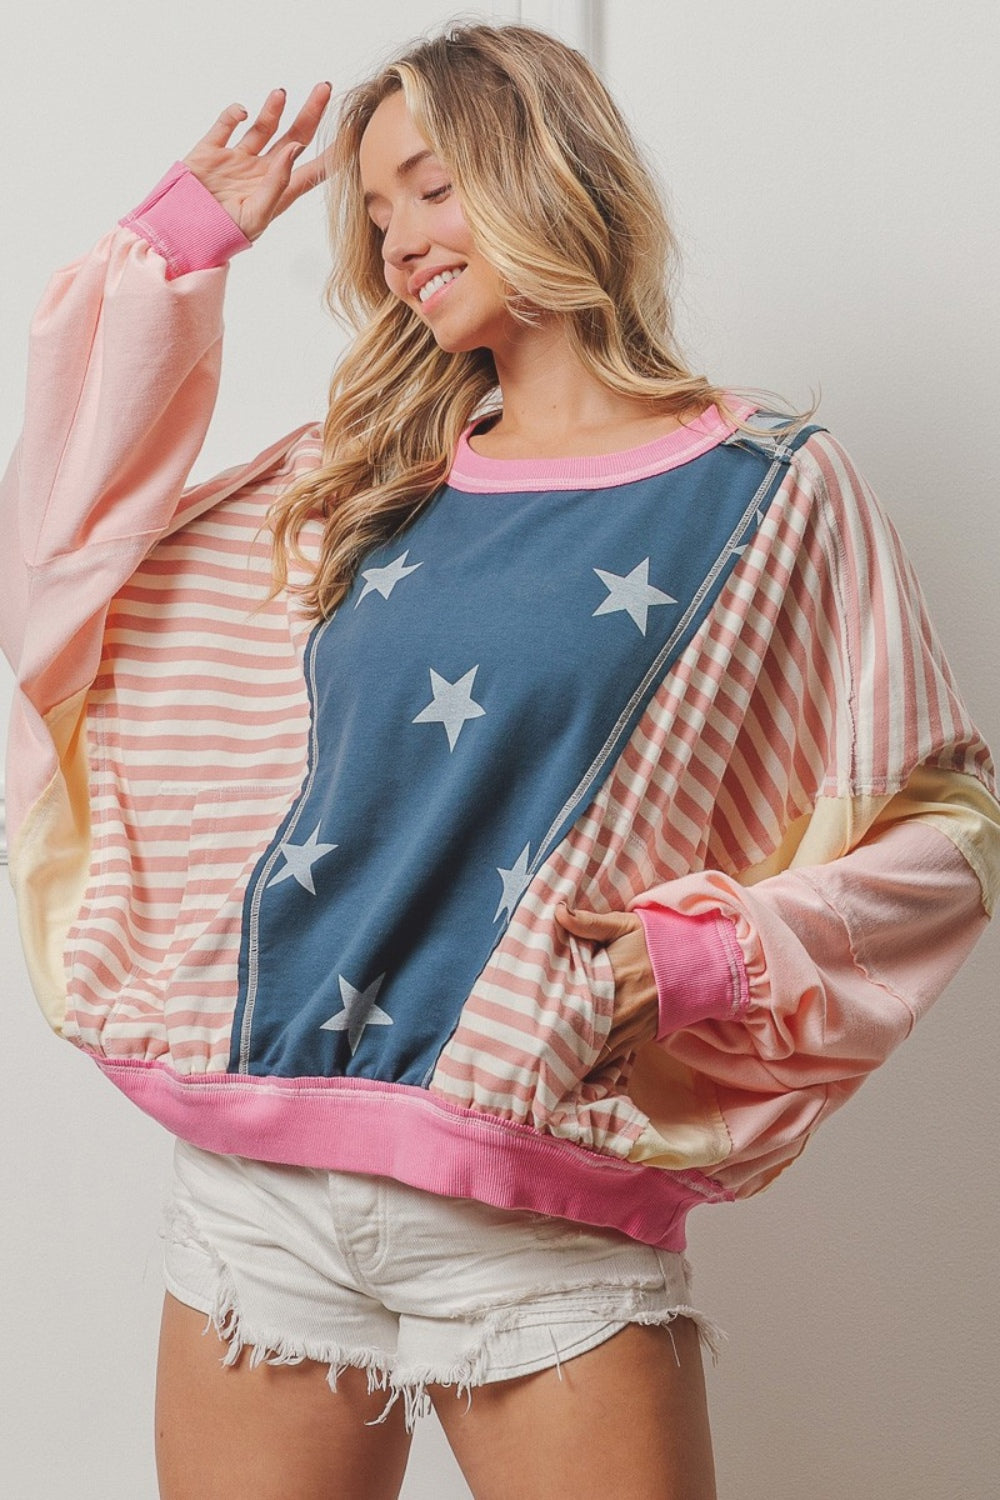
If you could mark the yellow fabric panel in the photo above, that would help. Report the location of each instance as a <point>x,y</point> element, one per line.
<point>834,826</point>
<point>958,804</point>
<point>686,1103</point>
<point>50,861</point>
<point>953,801</point>
<point>961,807</point>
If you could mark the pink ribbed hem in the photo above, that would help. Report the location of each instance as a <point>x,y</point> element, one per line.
<point>186,224</point>
<point>698,966</point>
<point>396,1130</point>
<point>471,471</point>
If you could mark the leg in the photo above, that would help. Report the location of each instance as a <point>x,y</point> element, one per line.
<point>268,1433</point>
<point>628,1418</point>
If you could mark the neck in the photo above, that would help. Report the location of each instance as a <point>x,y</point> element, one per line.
<point>549,397</point>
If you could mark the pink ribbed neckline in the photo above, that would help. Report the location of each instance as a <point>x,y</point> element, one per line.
<point>480,475</point>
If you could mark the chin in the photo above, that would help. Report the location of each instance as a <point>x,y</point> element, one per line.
<point>457,343</point>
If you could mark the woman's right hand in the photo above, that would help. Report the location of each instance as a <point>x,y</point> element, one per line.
<point>254,185</point>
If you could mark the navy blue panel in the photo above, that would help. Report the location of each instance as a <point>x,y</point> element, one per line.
<point>468,697</point>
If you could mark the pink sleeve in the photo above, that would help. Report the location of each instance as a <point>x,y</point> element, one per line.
<point>186,224</point>
<point>697,964</point>
<point>835,964</point>
<point>780,993</point>
<point>123,370</point>
<point>824,969</point>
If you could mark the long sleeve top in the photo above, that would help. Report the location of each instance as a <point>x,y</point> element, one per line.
<point>291,884</point>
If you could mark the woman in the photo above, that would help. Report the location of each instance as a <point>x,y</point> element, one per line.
<point>544,835</point>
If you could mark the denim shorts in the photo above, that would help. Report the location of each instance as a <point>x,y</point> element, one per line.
<point>414,1287</point>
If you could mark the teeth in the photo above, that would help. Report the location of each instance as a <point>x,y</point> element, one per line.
<point>430,287</point>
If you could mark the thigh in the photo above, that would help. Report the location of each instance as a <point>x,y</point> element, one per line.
<point>266,1432</point>
<point>629,1417</point>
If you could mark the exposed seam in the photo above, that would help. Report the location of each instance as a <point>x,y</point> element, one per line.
<point>255,894</point>
<point>141,226</point>
<point>966,847</point>
<point>865,973</point>
<point>40,528</point>
<point>668,653</point>
<point>842,586</point>
<point>725,933</point>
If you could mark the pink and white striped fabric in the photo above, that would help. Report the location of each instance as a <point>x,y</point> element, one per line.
<point>804,818</point>
<point>813,694</point>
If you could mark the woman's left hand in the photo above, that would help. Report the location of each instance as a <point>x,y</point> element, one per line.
<point>637,1010</point>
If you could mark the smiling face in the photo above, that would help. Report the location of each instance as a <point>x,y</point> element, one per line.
<point>431,262</point>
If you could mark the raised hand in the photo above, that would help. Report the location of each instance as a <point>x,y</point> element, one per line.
<point>255,185</point>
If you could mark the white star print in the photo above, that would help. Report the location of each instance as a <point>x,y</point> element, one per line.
<point>631,592</point>
<point>514,881</point>
<point>385,579</point>
<point>451,704</point>
<point>299,861</point>
<point>359,1011</point>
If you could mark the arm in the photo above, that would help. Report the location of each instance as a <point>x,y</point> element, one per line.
<point>779,986</point>
<point>122,377</point>
<point>787,994</point>
<point>124,363</point>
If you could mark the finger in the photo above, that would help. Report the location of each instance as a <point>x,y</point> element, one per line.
<point>224,126</point>
<point>579,916</point>
<point>306,122</point>
<point>265,202</point>
<point>260,132</point>
<point>309,175</point>
<point>600,925</point>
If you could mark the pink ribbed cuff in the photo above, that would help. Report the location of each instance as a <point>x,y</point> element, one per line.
<point>698,966</point>
<point>186,224</point>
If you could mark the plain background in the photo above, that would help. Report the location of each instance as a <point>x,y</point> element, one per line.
<point>831,172</point>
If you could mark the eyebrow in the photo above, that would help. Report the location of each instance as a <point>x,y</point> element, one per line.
<point>402,171</point>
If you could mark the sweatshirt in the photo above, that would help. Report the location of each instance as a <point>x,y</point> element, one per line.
<point>292,884</point>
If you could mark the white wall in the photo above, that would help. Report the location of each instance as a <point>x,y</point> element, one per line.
<point>830,170</point>
<point>104,97</point>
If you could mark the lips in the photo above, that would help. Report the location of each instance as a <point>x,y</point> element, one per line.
<point>421,279</point>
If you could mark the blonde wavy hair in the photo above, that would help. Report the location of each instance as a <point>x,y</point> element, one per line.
<point>559,199</point>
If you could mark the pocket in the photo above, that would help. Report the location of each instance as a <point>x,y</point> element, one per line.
<point>577,1016</point>
<point>531,1029</point>
<point>603,983</point>
<point>600,977</point>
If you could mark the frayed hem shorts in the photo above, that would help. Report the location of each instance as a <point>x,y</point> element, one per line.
<point>414,1287</point>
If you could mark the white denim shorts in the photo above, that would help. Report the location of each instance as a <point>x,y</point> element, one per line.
<point>414,1287</point>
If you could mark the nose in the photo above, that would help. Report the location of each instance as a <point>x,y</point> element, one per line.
<point>404,241</point>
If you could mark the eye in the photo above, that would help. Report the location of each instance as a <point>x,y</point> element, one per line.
<point>438,192</point>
